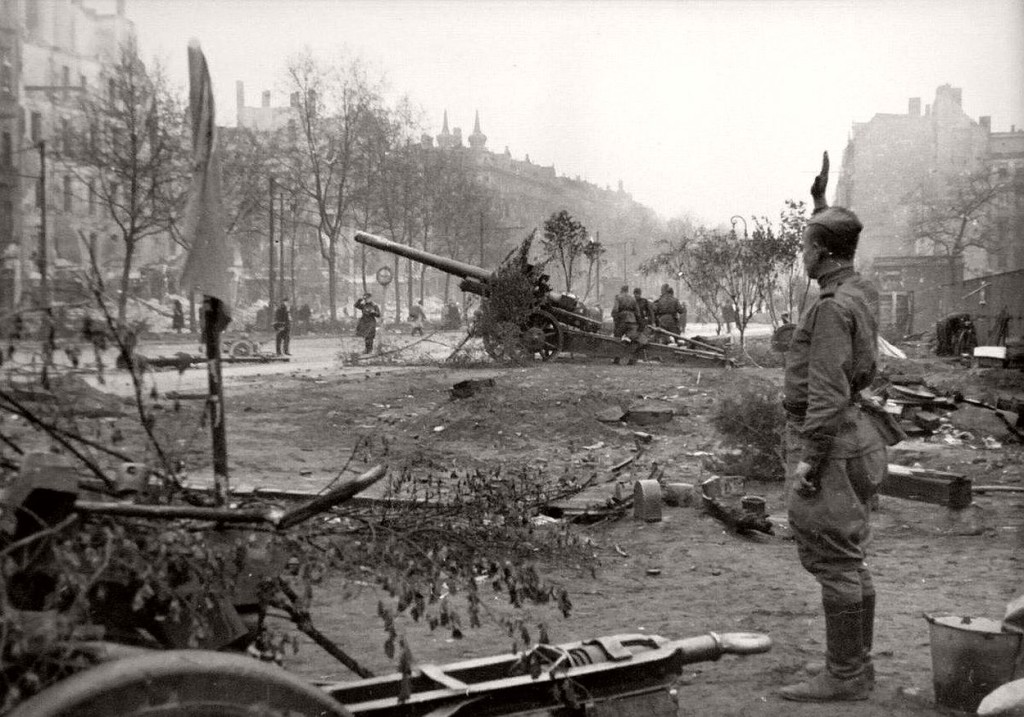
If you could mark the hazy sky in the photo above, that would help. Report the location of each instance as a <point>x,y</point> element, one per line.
<point>714,108</point>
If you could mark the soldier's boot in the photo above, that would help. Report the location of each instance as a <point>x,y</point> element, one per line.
<point>843,678</point>
<point>867,631</point>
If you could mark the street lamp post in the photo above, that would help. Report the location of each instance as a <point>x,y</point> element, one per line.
<point>733,220</point>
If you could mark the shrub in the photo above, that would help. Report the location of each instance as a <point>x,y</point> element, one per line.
<point>750,417</point>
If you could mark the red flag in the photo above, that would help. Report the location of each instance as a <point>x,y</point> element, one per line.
<point>207,269</point>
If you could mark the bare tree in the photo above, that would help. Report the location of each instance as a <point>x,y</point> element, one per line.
<point>327,162</point>
<point>955,213</point>
<point>130,156</point>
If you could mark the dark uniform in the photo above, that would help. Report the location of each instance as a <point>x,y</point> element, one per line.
<point>667,311</point>
<point>366,327</point>
<point>283,326</point>
<point>624,316</point>
<point>831,359</point>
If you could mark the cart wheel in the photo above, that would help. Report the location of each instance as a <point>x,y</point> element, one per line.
<point>182,683</point>
<point>242,349</point>
<point>543,335</point>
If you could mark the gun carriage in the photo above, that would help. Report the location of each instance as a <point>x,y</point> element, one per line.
<point>558,321</point>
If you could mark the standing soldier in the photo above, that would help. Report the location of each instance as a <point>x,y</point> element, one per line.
<point>283,327</point>
<point>624,316</point>
<point>667,310</point>
<point>835,457</point>
<point>416,316</point>
<point>644,314</point>
<point>367,324</point>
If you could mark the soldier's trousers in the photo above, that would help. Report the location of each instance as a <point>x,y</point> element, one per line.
<point>832,528</point>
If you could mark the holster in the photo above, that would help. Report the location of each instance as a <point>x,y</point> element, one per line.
<point>885,423</point>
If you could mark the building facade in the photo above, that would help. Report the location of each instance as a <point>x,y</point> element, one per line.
<point>51,52</point>
<point>889,156</point>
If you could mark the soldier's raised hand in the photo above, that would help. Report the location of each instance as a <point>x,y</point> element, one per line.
<point>820,184</point>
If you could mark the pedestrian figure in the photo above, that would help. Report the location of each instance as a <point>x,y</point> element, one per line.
<point>177,316</point>
<point>835,457</point>
<point>283,327</point>
<point>728,316</point>
<point>305,318</point>
<point>367,325</point>
<point>416,316</point>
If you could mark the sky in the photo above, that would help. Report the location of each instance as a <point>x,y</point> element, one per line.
<point>707,109</point>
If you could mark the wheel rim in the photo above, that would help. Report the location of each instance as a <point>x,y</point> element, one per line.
<point>543,335</point>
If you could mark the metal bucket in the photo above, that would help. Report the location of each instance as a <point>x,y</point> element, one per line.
<point>970,658</point>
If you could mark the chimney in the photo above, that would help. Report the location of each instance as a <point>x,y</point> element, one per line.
<point>914,107</point>
<point>239,96</point>
<point>266,98</point>
<point>986,123</point>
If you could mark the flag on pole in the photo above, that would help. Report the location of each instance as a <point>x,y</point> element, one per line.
<point>207,268</point>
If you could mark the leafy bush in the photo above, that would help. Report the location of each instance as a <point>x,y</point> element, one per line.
<point>750,416</point>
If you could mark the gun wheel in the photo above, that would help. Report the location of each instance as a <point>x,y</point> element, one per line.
<point>243,349</point>
<point>183,683</point>
<point>543,335</point>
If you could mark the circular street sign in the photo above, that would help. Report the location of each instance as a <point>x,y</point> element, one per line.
<point>383,276</point>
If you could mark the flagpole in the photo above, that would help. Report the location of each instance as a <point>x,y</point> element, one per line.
<point>207,269</point>
<point>213,325</point>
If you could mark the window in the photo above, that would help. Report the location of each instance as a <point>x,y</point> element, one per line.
<point>91,191</point>
<point>65,135</point>
<point>36,124</point>
<point>6,71</point>
<point>6,222</point>
<point>6,149</point>
<point>68,198</point>
<point>65,80</point>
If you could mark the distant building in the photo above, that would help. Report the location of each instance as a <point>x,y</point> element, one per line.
<point>50,54</point>
<point>528,193</point>
<point>885,160</point>
<point>264,118</point>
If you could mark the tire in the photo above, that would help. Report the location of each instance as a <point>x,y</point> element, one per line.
<point>182,683</point>
<point>543,335</point>
<point>242,349</point>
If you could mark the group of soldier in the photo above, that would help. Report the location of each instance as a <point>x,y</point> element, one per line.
<point>634,317</point>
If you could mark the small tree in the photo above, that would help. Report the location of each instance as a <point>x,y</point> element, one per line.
<point>564,241</point>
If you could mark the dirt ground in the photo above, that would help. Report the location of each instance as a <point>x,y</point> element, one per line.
<point>295,430</point>
<point>925,559</point>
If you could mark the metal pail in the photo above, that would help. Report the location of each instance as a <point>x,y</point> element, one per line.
<point>970,658</point>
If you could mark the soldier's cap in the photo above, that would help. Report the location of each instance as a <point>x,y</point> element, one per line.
<point>839,221</point>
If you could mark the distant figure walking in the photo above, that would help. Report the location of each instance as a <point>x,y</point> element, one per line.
<point>367,325</point>
<point>177,316</point>
<point>283,327</point>
<point>416,316</point>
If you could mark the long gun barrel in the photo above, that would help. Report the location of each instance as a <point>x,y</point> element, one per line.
<point>448,266</point>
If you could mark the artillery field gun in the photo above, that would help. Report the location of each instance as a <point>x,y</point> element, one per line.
<point>555,322</point>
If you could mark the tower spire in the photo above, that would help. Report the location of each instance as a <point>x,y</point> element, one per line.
<point>478,139</point>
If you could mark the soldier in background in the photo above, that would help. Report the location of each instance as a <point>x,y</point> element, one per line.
<point>667,310</point>
<point>644,314</point>
<point>416,316</point>
<point>624,316</point>
<point>367,324</point>
<point>283,327</point>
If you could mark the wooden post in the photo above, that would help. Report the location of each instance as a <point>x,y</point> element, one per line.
<point>214,321</point>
